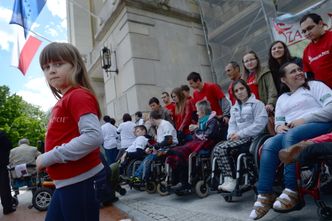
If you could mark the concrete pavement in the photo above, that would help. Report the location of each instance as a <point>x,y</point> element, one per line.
<point>142,206</point>
<point>109,213</point>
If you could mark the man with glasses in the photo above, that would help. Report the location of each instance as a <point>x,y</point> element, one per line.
<point>317,56</point>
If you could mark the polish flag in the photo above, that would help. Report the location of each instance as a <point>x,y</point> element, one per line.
<point>24,50</point>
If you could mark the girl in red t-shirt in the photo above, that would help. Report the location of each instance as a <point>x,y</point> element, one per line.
<point>72,157</point>
<point>183,115</point>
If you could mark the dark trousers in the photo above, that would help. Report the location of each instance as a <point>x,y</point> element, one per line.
<point>6,197</point>
<point>76,202</point>
<point>314,151</point>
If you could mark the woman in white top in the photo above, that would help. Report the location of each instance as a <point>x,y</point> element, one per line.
<point>303,111</point>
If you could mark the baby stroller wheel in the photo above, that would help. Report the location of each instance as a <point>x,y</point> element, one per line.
<point>324,213</point>
<point>162,189</point>
<point>201,189</point>
<point>151,187</point>
<point>41,198</point>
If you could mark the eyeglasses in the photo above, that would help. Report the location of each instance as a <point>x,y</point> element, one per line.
<point>309,28</point>
<point>249,60</point>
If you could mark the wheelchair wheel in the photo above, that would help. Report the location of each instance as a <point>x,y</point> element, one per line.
<point>41,198</point>
<point>255,147</point>
<point>201,189</point>
<point>151,187</point>
<point>324,213</point>
<point>162,189</point>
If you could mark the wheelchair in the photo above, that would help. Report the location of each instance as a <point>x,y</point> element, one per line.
<point>311,185</point>
<point>199,167</point>
<point>41,186</point>
<point>246,171</point>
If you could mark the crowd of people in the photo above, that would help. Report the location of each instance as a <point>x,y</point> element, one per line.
<point>290,98</point>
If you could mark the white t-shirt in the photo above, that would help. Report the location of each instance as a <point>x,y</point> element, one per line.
<point>139,143</point>
<point>302,103</point>
<point>110,136</point>
<point>165,128</point>
<point>140,121</point>
<point>126,130</point>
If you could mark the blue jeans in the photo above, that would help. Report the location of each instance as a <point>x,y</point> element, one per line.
<point>111,155</point>
<point>145,167</point>
<point>270,159</point>
<point>78,201</point>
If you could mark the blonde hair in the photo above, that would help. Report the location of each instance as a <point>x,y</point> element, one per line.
<point>57,51</point>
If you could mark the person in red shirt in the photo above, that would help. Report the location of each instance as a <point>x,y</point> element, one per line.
<point>317,56</point>
<point>168,103</point>
<point>232,70</point>
<point>211,92</point>
<point>72,156</point>
<point>183,115</point>
<point>186,91</point>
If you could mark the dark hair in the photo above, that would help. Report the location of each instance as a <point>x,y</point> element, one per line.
<point>194,76</point>
<point>142,127</point>
<point>258,68</point>
<point>138,114</point>
<point>315,18</point>
<point>185,87</point>
<point>282,73</point>
<point>154,100</point>
<point>234,64</point>
<point>126,117</point>
<point>112,121</point>
<point>166,93</point>
<point>107,118</point>
<point>155,115</point>
<point>180,105</point>
<point>244,83</point>
<point>274,65</point>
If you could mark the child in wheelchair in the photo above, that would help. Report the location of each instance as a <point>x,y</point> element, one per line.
<point>248,119</point>
<point>136,151</point>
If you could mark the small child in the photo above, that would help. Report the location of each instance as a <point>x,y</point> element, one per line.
<point>136,150</point>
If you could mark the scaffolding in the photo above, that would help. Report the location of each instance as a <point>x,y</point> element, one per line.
<point>233,27</point>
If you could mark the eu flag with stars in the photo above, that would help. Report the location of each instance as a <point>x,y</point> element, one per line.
<point>25,13</point>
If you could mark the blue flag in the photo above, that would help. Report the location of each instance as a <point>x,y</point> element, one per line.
<point>25,13</point>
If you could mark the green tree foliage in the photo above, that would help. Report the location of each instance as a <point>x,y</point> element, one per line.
<point>20,119</point>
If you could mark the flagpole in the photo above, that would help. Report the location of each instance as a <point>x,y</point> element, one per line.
<point>35,33</point>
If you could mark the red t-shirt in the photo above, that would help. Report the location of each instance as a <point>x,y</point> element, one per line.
<point>317,58</point>
<point>63,127</point>
<point>213,93</point>
<point>183,120</point>
<point>251,81</point>
<point>171,108</point>
<point>230,93</point>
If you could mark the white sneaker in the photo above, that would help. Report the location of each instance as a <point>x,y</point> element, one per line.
<point>228,185</point>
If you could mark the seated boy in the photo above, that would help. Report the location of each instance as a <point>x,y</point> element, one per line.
<point>136,150</point>
<point>166,137</point>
